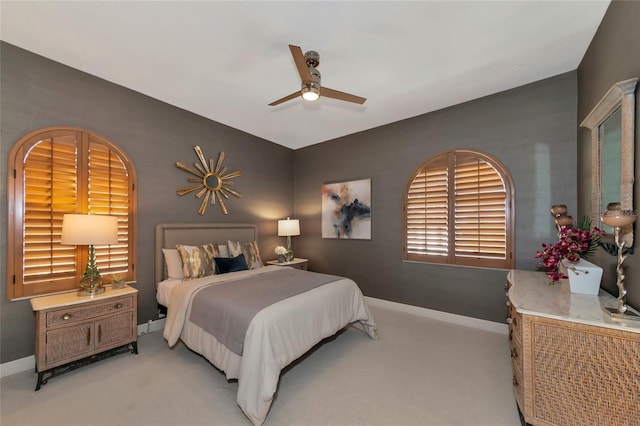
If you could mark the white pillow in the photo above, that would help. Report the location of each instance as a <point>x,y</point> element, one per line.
<point>223,251</point>
<point>174,263</point>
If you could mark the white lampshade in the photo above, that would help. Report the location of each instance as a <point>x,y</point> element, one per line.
<point>87,229</point>
<point>288,227</point>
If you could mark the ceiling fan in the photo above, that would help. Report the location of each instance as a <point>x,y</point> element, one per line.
<point>310,76</point>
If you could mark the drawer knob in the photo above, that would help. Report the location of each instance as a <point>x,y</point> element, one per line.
<point>118,305</point>
<point>66,317</point>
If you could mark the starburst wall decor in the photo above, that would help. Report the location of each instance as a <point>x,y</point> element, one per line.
<point>211,182</point>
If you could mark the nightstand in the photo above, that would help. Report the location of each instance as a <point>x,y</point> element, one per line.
<point>73,331</point>
<point>297,262</point>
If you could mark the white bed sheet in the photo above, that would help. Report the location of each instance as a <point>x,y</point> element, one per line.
<point>163,290</point>
<point>277,335</point>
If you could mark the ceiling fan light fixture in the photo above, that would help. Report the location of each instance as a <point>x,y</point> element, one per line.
<point>310,93</point>
<point>311,80</point>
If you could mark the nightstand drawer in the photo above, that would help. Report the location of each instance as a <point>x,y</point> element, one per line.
<point>69,315</point>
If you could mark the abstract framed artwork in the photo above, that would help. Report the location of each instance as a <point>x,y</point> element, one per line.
<point>346,210</point>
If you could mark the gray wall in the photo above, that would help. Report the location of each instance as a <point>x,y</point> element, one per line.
<point>37,93</point>
<point>530,129</point>
<point>612,56</point>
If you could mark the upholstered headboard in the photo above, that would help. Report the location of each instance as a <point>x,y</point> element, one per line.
<point>168,235</point>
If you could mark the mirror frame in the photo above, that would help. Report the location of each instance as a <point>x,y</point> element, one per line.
<point>202,172</point>
<point>621,95</point>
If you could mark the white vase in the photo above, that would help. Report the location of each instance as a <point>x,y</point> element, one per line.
<point>584,277</point>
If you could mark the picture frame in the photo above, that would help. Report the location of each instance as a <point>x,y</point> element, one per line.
<point>346,210</point>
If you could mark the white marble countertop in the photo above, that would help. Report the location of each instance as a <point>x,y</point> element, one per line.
<point>72,298</point>
<point>531,294</point>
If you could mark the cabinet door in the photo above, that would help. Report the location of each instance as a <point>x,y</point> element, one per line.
<point>114,331</point>
<point>584,375</point>
<point>69,343</point>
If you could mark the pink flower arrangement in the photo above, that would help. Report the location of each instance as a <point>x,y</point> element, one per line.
<point>573,243</point>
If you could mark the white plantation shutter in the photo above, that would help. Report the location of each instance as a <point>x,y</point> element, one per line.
<point>458,210</point>
<point>57,171</point>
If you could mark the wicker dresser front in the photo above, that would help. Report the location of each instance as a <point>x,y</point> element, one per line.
<point>572,364</point>
<point>69,327</point>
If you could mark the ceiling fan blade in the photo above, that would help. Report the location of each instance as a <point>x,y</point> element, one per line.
<point>286,98</point>
<point>301,64</point>
<point>336,94</point>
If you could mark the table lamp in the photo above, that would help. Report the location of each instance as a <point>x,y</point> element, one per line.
<point>288,228</point>
<point>90,230</point>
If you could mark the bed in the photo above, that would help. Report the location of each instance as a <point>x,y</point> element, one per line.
<point>276,334</point>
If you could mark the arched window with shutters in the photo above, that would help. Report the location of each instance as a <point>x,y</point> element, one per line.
<point>458,210</point>
<point>52,172</point>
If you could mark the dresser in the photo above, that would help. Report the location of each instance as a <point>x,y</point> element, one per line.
<point>572,364</point>
<point>72,330</point>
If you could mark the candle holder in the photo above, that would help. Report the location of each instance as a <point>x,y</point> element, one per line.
<point>559,212</point>
<point>617,219</point>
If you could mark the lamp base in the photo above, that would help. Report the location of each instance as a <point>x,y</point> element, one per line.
<point>90,285</point>
<point>90,292</point>
<point>288,256</point>
<point>629,315</point>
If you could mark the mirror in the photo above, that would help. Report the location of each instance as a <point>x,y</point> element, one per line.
<point>610,161</point>
<point>612,125</point>
<point>212,183</point>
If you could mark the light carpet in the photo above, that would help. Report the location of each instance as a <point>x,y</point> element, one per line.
<point>420,372</point>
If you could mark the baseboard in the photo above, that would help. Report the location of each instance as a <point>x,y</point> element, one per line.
<point>151,326</point>
<point>481,324</point>
<point>18,366</point>
<point>29,362</point>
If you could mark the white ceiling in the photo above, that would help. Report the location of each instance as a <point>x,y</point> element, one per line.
<point>227,60</point>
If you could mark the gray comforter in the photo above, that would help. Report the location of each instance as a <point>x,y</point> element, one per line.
<point>226,310</point>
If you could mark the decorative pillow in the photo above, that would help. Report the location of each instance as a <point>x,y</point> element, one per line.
<point>250,251</point>
<point>230,264</point>
<point>234,247</point>
<point>174,263</point>
<point>252,255</point>
<point>197,261</point>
